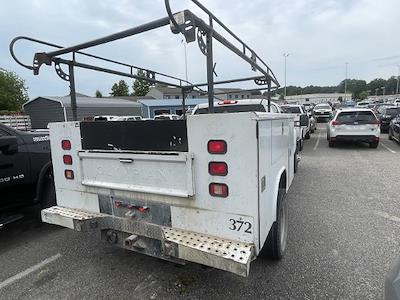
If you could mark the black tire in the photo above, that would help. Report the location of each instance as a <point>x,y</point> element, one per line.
<point>301,145</point>
<point>390,134</point>
<point>312,130</point>
<point>307,136</point>
<point>331,143</point>
<point>296,161</point>
<point>374,145</point>
<point>48,195</point>
<point>275,245</point>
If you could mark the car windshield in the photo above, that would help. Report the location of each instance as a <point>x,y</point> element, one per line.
<point>322,106</point>
<point>232,109</point>
<point>291,109</point>
<point>393,111</point>
<point>350,117</point>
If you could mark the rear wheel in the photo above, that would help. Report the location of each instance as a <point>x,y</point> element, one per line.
<point>307,137</point>
<point>48,197</point>
<point>296,161</point>
<point>275,245</point>
<point>390,134</point>
<point>374,145</point>
<point>331,143</point>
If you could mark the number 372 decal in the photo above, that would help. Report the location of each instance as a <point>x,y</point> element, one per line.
<point>239,225</point>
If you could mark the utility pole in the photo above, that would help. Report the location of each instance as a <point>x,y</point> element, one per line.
<point>186,68</point>
<point>383,90</point>
<point>398,79</point>
<point>285,55</point>
<point>345,82</point>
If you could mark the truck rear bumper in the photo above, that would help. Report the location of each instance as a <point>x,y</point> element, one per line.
<point>160,241</point>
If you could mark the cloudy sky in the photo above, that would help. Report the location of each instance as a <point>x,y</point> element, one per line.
<point>319,35</point>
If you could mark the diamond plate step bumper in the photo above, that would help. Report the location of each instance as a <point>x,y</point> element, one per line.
<point>228,255</point>
<point>224,254</point>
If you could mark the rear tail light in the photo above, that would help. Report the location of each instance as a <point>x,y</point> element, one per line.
<point>218,190</point>
<point>67,159</point>
<point>335,123</point>
<point>227,102</point>
<point>69,174</point>
<point>66,144</point>
<point>217,147</point>
<point>218,168</point>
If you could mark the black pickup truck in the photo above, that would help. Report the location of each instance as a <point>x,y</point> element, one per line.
<point>26,174</point>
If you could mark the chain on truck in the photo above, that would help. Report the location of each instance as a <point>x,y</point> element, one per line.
<point>208,189</point>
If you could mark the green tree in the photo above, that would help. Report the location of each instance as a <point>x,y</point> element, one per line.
<point>13,92</point>
<point>363,95</point>
<point>140,87</point>
<point>375,84</point>
<point>355,86</point>
<point>120,89</point>
<point>98,94</point>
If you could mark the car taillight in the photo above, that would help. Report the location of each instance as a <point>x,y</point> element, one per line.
<point>217,147</point>
<point>335,123</point>
<point>227,102</point>
<point>69,174</point>
<point>218,190</point>
<point>67,159</point>
<point>66,144</point>
<point>218,168</point>
<point>377,122</point>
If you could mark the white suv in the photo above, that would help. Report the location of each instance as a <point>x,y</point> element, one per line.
<point>354,124</point>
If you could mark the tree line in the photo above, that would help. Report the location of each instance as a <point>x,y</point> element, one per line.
<point>359,88</point>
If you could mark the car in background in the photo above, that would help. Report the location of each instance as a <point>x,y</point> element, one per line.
<point>396,102</point>
<point>322,110</point>
<point>349,103</point>
<point>386,115</point>
<point>309,107</point>
<point>104,118</point>
<point>378,107</point>
<point>392,282</point>
<point>394,129</point>
<point>298,110</point>
<point>354,124</point>
<point>166,117</point>
<point>127,118</point>
<point>363,104</point>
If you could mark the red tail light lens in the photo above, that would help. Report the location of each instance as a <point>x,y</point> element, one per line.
<point>377,122</point>
<point>219,190</point>
<point>67,159</point>
<point>227,102</point>
<point>334,123</point>
<point>217,147</point>
<point>218,168</point>
<point>66,144</point>
<point>69,174</point>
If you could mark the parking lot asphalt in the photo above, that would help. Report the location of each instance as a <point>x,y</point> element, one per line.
<point>344,234</point>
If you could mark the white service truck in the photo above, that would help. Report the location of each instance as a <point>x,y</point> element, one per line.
<point>209,189</point>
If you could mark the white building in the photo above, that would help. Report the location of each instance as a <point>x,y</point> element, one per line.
<point>317,98</point>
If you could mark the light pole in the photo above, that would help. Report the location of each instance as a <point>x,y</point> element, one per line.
<point>376,91</point>
<point>398,79</point>
<point>285,55</point>
<point>383,90</point>
<point>186,69</point>
<point>345,81</point>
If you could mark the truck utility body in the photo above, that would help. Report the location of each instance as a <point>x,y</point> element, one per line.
<point>208,189</point>
<point>210,198</point>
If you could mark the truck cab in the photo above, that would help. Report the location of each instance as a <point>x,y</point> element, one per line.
<point>25,169</point>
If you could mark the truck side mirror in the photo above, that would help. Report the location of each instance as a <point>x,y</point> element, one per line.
<point>304,119</point>
<point>8,145</point>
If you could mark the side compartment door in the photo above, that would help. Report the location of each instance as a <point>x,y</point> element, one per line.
<point>265,198</point>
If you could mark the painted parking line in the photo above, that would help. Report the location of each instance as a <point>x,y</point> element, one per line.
<point>28,271</point>
<point>317,142</point>
<point>387,216</point>
<point>387,148</point>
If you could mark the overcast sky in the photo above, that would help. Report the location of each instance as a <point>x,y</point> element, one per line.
<point>320,37</point>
